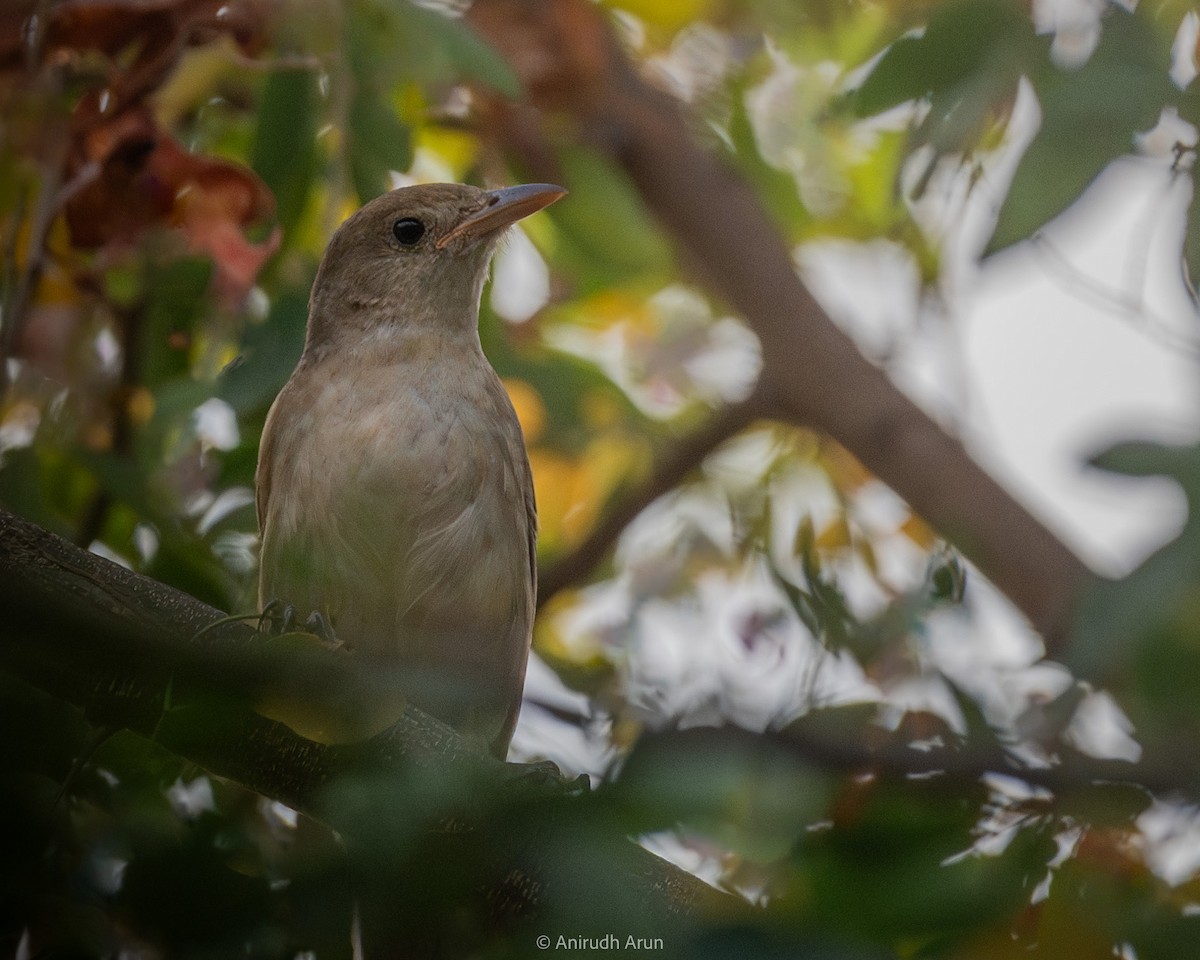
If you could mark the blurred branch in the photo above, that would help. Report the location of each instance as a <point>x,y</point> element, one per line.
<point>139,655</point>
<point>861,752</point>
<point>1128,301</point>
<point>132,320</point>
<point>670,468</point>
<point>573,66</point>
<point>53,195</point>
<point>47,83</point>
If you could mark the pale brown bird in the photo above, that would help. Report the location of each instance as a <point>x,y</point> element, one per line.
<point>393,488</point>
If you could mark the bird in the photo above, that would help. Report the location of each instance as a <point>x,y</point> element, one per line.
<point>393,488</point>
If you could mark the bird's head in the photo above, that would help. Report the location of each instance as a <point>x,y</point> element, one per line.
<point>416,257</point>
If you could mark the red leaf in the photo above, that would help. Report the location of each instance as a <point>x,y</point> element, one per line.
<point>147,180</point>
<point>153,28</point>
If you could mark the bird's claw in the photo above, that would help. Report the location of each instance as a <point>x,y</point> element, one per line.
<point>278,618</point>
<point>318,626</point>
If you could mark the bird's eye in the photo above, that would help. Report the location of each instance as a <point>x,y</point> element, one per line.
<point>408,231</point>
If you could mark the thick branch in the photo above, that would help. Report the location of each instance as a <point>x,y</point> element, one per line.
<point>572,65</point>
<point>115,643</point>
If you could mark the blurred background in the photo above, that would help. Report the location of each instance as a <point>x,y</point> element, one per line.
<point>993,198</point>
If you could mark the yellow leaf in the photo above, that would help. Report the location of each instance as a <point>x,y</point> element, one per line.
<point>844,470</point>
<point>57,288</point>
<point>606,462</point>
<point>607,309</point>
<point>531,411</point>
<point>669,15</point>
<point>457,149</point>
<point>835,536</point>
<point>600,410</point>
<point>866,550</point>
<point>362,705</point>
<point>553,487</point>
<point>578,657</point>
<point>195,80</point>
<point>919,532</point>
<point>140,405</point>
<point>571,492</point>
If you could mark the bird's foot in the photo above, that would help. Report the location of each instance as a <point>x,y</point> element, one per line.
<point>278,618</point>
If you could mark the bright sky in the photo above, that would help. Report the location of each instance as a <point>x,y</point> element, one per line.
<point>1049,353</point>
<point>1082,340</point>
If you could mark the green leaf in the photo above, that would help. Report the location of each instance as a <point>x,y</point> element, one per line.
<point>776,188</point>
<point>186,893</point>
<point>606,235</point>
<point>377,143</point>
<point>409,43</point>
<point>1124,905</point>
<point>821,604</point>
<point>1116,620</point>
<point>176,295</point>
<point>389,43</point>
<point>24,489</point>
<point>183,562</point>
<point>947,576</point>
<point>269,353</point>
<point>966,41</point>
<point>979,732</point>
<point>750,794</point>
<point>376,140</point>
<point>898,862</point>
<point>448,45</point>
<point>566,384</point>
<point>1104,804</point>
<point>42,735</point>
<point>1089,118</point>
<point>284,151</point>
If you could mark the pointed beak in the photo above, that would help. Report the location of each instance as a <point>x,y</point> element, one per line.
<point>503,208</point>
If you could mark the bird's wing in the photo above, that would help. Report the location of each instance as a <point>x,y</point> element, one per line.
<point>262,473</point>
<point>524,606</point>
<point>465,590</point>
<point>521,630</point>
<point>469,558</point>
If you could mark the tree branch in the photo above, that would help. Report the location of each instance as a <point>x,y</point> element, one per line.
<point>573,66</point>
<point>137,654</point>
<point>670,468</point>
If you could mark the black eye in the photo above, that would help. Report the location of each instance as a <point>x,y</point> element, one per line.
<point>408,231</point>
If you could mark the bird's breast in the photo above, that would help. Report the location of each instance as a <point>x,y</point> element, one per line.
<point>403,503</point>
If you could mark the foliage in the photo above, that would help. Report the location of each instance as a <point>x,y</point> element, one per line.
<point>169,172</point>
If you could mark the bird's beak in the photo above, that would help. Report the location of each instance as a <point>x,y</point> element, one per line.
<point>503,208</point>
